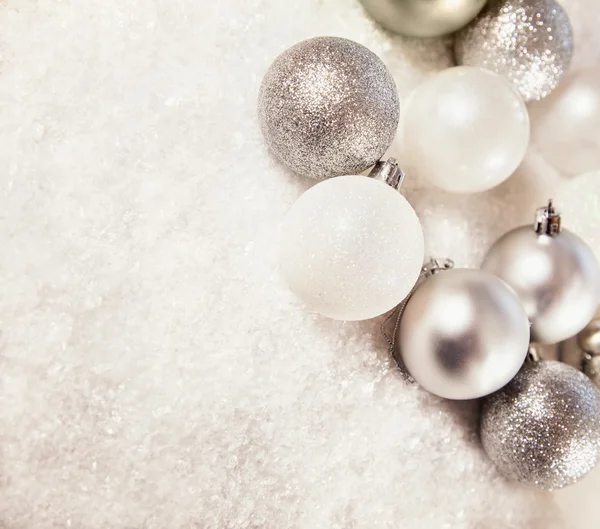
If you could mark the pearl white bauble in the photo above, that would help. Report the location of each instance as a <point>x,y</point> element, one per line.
<point>417,18</point>
<point>565,126</point>
<point>351,248</point>
<point>556,277</point>
<point>465,130</point>
<point>463,334</point>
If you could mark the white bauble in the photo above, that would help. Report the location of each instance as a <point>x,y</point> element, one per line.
<point>465,130</point>
<point>351,248</point>
<point>565,126</point>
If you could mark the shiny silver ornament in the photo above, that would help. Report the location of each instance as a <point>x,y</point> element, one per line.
<point>328,107</point>
<point>543,428</point>
<point>554,273</point>
<point>419,18</point>
<point>463,334</point>
<point>588,341</point>
<point>528,41</point>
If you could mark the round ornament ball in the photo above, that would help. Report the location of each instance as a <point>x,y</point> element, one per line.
<point>328,107</point>
<point>557,278</point>
<point>417,18</point>
<point>351,248</point>
<point>463,334</point>
<point>465,130</point>
<point>528,41</point>
<point>543,428</point>
<point>565,125</point>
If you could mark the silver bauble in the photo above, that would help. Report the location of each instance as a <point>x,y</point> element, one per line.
<point>557,278</point>
<point>528,41</point>
<point>328,107</point>
<point>588,341</point>
<point>463,334</point>
<point>543,428</point>
<point>418,18</point>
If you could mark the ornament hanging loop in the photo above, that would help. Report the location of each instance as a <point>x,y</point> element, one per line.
<point>388,172</point>
<point>547,220</point>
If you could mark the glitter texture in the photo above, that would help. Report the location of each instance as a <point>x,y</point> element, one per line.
<point>543,428</point>
<point>528,41</point>
<point>328,107</point>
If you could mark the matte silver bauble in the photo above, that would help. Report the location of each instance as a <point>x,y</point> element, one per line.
<point>528,41</point>
<point>328,107</point>
<point>543,428</point>
<point>418,18</point>
<point>463,334</point>
<point>557,278</point>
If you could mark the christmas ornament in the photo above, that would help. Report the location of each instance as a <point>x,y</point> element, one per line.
<point>463,334</point>
<point>417,18</point>
<point>554,273</point>
<point>543,428</point>
<point>580,202</point>
<point>352,247</point>
<point>465,130</point>
<point>589,342</point>
<point>328,107</point>
<point>528,41</point>
<point>565,125</point>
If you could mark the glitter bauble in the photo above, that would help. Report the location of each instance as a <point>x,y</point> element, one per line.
<point>565,126</point>
<point>528,41</point>
<point>351,248</point>
<point>557,278</point>
<point>465,130</point>
<point>463,334</point>
<point>543,428</point>
<point>328,107</point>
<point>417,18</point>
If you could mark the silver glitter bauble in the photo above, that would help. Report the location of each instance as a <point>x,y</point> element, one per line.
<point>543,428</point>
<point>528,41</point>
<point>463,334</point>
<point>417,18</point>
<point>328,107</point>
<point>557,278</point>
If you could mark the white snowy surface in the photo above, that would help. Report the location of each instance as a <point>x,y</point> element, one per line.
<point>154,370</point>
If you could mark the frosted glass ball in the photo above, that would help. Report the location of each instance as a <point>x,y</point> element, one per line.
<point>465,130</point>
<point>565,126</point>
<point>351,248</point>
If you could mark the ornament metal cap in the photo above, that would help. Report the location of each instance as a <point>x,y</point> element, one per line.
<point>388,172</point>
<point>547,220</point>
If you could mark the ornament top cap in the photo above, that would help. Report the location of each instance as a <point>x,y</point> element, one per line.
<point>388,172</point>
<point>547,220</point>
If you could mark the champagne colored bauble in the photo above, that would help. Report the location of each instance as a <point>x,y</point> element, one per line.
<point>543,428</point>
<point>588,341</point>
<point>465,130</point>
<point>351,248</point>
<point>328,107</point>
<point>565,126</point>
<point>528,41</point>
<point>423,18</point>
<point>557,278</point>
<point>463,334</point>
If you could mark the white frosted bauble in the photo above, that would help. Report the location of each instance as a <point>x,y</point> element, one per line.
<point>465,130</point>
<point>351,248</point>
<point>565,126</point>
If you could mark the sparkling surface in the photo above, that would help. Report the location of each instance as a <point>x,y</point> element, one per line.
<point>543,428</point>
<point>528,41</point>
<point>328,107</point>
<point>351,248</point>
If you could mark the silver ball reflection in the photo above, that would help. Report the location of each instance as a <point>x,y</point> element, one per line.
<point>417,18</point>
<point>556,277</point>
<point>328,107</point>
<point>463,334</point>
<point>543,428</point>
<point>528,41</point>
